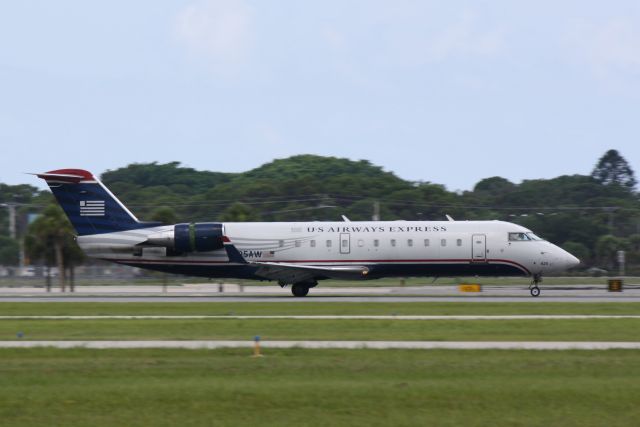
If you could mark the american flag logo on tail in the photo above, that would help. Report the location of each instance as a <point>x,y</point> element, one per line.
<point>92,208</point>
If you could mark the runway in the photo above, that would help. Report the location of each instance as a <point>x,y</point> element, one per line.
<point>312,299</point>
<point>273,294</point>
<point>352,345</point>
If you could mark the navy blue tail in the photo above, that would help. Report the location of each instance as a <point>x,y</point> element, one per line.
<point>90,206</point>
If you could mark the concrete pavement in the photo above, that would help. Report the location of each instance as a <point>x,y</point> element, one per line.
<point>381,345</point>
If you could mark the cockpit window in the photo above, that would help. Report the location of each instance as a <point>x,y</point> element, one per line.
<point>519,237</point>
<point>534,237</point>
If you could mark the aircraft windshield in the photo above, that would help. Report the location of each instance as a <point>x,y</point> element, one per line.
<point>518,237</point>
<point>523,237</point>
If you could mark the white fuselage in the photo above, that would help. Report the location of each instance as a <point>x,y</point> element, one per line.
<point>429,248</point>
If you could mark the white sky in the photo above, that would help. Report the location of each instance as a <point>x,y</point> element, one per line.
<point>443,91</point>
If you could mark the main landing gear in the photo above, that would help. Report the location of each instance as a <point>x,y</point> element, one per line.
<point>300,289</point>
<point>533,287</point>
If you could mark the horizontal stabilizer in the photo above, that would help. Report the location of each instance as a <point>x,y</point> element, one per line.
<point>69,176</point>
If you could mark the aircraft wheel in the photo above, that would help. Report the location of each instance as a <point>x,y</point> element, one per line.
<point>299,290</point>
<point>535,291</point>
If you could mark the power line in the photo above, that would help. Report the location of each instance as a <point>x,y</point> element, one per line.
<point>331,198</point>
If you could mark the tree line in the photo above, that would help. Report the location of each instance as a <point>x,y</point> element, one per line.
<point>592,216</point>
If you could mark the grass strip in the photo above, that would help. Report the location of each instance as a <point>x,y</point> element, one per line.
<point>311,308</point>
<point>295,329</point>
<point>318,388</point>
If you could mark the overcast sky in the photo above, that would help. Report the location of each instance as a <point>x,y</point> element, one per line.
<point>443,91</point>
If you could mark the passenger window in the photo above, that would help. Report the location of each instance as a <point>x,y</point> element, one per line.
<point>328,243</point>
<point>312,243</point>
<point>360,243</point>
<point>410,242</point>
<point>345,243</point>
<point>459,242</point>
<point>393,242</point>
<point>376,243</point>
<point>443,242</point>
<point>281,243</point>
<point>298,243</point>
<point>426,242</point>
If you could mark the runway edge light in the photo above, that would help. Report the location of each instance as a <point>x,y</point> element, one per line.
<point>256,346</point>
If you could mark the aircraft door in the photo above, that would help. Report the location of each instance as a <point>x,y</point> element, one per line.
<point>479,248</point>
<point>345,243</point>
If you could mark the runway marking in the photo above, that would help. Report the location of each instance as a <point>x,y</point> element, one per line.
<point>423,345</point>
<point>331,317</point>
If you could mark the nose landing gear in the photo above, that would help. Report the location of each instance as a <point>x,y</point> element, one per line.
<point>533,287</point>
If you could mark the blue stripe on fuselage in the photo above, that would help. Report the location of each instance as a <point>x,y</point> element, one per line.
<point>376,271</point>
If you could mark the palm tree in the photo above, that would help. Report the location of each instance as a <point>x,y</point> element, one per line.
<point>51,238</point>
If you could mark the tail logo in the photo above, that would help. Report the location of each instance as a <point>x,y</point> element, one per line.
<point>92,208</point>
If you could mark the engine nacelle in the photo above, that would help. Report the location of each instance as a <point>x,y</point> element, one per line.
<point>198,237</point>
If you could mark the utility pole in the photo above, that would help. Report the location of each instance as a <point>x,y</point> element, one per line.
<point>620,255</point>
<point>13,231</point>
<point>11,207</point>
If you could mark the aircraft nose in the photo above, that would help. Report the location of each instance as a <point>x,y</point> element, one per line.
<point>570,261</point>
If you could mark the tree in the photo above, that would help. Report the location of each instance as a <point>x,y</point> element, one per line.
<point>9,251</point>
<point>50,237</point>
<point>238,212</point>
<point>634,242</point>
<point>606,248</point>
<point>577,249</point>
<point>165,215</point>
<point>612,168</point>
<point>495,186</point>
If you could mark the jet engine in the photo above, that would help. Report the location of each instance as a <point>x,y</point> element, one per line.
<point>198,237</point>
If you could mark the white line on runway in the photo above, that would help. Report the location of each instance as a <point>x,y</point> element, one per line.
<point>331,317</point>
<point>424,345</point>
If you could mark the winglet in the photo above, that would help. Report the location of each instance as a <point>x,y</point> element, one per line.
<point>233,253</point>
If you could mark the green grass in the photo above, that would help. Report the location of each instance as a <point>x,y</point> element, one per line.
<point>288,329</point>
<point>307,307</point>
<point>80,387</point>
<point>318,388</point>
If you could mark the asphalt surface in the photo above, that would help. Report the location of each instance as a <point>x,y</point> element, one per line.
<point>273,294</point>
<point>317,299</point>
<point>424,345</point>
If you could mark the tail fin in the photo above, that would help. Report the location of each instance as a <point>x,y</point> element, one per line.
<point>90,206</point>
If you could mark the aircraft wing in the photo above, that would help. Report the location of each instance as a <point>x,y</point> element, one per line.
<point>293,273</point>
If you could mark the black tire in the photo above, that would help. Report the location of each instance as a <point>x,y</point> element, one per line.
<point>299,290</point>
<point>535,291</point>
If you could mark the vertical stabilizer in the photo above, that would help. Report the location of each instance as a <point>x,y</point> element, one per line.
<point>90,206</point>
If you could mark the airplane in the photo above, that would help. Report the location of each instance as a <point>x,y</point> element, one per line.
<point>301,254</point>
